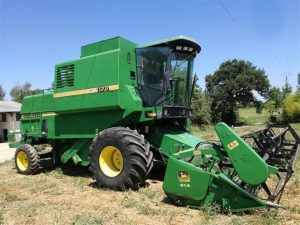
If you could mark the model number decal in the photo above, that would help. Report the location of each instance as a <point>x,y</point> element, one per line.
<point>103,89</point>
<point>87,91</point>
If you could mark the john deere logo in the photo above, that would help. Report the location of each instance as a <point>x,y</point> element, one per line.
<point>183,176</point>
<point>233,145</point>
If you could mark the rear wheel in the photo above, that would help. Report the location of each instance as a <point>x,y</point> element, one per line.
<point>27,160</point>
<point>120,158</point>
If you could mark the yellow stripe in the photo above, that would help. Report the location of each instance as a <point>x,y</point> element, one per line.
<point>36,115</point>
<point>87,91</point>
<point>29,115</point>
<point>49,114</point>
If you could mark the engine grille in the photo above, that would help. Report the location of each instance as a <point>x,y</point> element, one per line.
<point>65,76</point>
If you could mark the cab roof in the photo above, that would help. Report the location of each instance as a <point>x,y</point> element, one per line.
<point>175,41</point>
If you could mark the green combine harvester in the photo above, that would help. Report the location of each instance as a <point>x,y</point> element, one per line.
<point>121,107</point>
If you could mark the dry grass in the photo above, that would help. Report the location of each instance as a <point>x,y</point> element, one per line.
<point>62,196</point>
<point>67,195</point>
<point>58,197</point>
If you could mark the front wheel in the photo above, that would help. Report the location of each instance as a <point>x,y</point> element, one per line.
<point>120,158</point>
<point>27,160</point>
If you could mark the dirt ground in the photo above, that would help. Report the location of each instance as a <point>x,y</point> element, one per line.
<point>68,195</point>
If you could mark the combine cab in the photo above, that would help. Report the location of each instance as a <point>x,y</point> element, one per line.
<point>121,105</point>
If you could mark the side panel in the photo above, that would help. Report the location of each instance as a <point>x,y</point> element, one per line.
<point>84,123</point>
<point>92,93</point>
<point>31,126</point>
<point>92,78</point>
<point>171,142</point>
<point>185,180</point>
<point>250,167</point>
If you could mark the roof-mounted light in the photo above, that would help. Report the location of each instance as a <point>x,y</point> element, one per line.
<point>184,48</point>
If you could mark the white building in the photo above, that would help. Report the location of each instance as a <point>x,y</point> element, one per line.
<point>9,118</point>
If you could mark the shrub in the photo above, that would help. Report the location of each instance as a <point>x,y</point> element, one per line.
<point>291,107</point>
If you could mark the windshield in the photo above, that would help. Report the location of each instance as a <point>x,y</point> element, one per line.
<point>164,76</point>
<point>182,64</point>
<point>151,68</point>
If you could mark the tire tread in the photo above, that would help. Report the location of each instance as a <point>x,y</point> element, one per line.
<point>137,150</point>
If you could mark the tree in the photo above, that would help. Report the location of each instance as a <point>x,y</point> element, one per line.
<point>270,107</point>
<point>200,106</point>
<point>20,91</point>
<point>259,105</point>
<point>287,88</point>
<point>274,101</point>
<point>2,93</point>
<point>233,85</point>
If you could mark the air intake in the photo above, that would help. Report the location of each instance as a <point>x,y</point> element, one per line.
<point>65,76</point>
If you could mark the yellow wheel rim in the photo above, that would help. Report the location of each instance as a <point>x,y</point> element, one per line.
<point>111,161</point>
<point>22,161</point>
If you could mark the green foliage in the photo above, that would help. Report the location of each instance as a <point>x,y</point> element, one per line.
<point>87,220</point>
<point>276,96</point>
<point>274,101</point>
<point>200,106</point>
<point>2,93</point>
<point>20,91</point>
<point>259,105</point>
<point>27,209</point>
<point>268,217</point>
<point>146,209</point>
<point>270,107</point>
<point>128,203</point>
<point>291,107</point>
<point>233,85</point>
<point>210,214</point>
<point>287,88</point>
<point>11,198</point>
<point>128,200</point>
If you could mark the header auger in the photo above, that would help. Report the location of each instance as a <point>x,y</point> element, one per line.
<point>120,105</point>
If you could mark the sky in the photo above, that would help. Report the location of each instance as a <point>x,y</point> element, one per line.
<point>36,35</point>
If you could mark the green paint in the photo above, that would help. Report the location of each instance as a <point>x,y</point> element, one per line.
<point>73,152</point>
<point>206,188</point>
<point>250,167</point>
<point>116,82</point>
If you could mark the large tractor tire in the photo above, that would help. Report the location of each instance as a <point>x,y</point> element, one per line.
<point>27,160</point>
<point>120,159</point>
